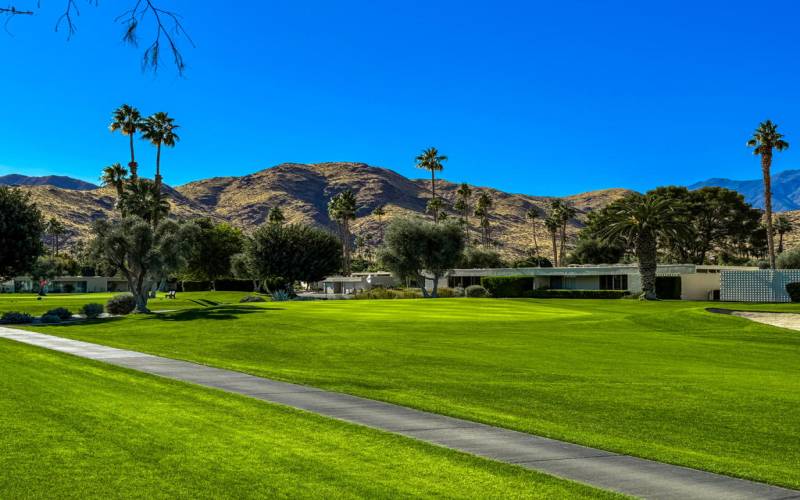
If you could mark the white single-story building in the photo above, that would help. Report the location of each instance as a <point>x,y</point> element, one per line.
<point>66,284</point>
<point>357,282</point>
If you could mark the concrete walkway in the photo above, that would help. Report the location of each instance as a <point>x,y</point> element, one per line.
<point>611,471</point>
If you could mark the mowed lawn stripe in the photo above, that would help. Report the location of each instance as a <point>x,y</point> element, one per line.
<point>74,428</point>
<point>666,381</point>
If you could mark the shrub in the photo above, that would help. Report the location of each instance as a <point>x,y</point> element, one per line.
<point>789,259</point>
<point>199,286</point>
<point>252,298</point>
<point>15,318</point>
<point>231,285</point>
<point>120,305</point>
<point>507,286</point>
<point>447,293</point>
<point>793,289</point>
<point>459,291</point>
<point>61,312</point>
<point>575,294</point>
<point>51,318</point>
<point>92,311</point>
<point>476,291</point>
<point>387,293</point>
<point>280,296</point>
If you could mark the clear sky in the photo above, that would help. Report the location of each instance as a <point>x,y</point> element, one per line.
<point>546,98</point>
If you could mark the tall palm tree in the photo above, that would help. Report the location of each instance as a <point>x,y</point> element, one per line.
<point>115,175</point>
<point>566,213</point>
<point>552,223</point>
<point>533,215</point>
<point>640,221</point>
<point>143,198</point>
<point>482,211</point>
<point>435,207</point>
<point>782,226</point>
<point>56,228</point>
<point>342,209</point>
<point>463,198</point>
<point>431,160</point>
<point>766,139</point>
<point>159,129</point>
<point>127,120</point>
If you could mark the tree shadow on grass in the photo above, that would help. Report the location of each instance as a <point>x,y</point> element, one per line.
<point>204,302</point>
<point>79,322</point>
<point>216,313</point>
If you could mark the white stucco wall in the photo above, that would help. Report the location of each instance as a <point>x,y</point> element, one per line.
<point>699,286</point>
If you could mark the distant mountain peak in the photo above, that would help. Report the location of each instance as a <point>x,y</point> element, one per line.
<point>785,189</point>
<point>58,181</point>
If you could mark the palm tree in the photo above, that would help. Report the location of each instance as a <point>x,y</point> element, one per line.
<point>435,207</point>
<point>431,160</point>
<point>115,175</point>
<point>127,120</point>
<point>464,195</point>
<point>144,199</point>
<point>276,216</point>
<point>379,212</point>
<point>342,209</point>
<point>640,221</point>
<point>533,215</point>
<point>782,226</point>
<point>766,139</point>
<point>552,224</point>
<point>159,129</point>
<point>482,211</point>
<point>566,213</point>
<point>56,228</point>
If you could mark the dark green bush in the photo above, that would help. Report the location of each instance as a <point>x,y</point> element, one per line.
<point>476,291</point>
<point>200,286</point>
<point>51,318</point>
<point>92,311</point>
<point>388,293</point>
<point>231,285</point>
<point>793,289</point>
<point>15,318</point>
<point>507,286</point>
<point>61,312</point>
<point>575,294</point>
<point>120,305</point>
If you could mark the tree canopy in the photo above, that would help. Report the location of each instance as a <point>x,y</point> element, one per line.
<point>210,252</point>
<point>21,230</point>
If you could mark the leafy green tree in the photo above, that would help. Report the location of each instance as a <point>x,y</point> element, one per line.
<point>414,246</point>
<point>128,121</point>
<point>765,140</point>
<point>21,229</point>
<point>431,160</point>
<point>243,267</point>
<point>209,254</point>
<point>595,251</point>
<point>159,129</point>
<point>789,259</point>
<point>478,258</point>
<point>276,216</point>
<point>782,226</point>
<point>293,252</point>
<point>638,222</point>
<point>532,261</point>
<point>342,209</point>
<point>142,254</point>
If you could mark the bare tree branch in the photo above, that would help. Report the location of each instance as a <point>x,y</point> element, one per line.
<point>168,27</point>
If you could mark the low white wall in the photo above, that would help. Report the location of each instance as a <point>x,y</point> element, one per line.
<point>699,286</point>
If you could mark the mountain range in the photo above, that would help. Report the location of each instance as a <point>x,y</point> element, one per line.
<point>48,180</point>
<point>785,189</point>
<point>302,192</point>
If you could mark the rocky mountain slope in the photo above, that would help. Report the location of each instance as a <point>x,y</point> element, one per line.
<point>302,192</point>
<point>48,180</point>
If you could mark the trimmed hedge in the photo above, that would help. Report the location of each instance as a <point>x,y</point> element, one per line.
<point>62,313</point>
<point>575,294</point>
<point>231,285</point>
<point>15,318</point>
<point>200,286</point>
<point>476,292</point>
<point>92,311</point>
<point>120,305</point>
<point>793,289</point>
<point>507,286</point>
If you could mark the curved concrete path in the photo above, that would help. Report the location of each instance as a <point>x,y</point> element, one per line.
<point>603,469</point>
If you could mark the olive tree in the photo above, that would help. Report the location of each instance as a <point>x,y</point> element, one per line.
<point>140,253</point>
<point>413,247</point>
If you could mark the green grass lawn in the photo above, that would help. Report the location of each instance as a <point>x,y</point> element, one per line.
<point>72,428</point>
<point>666,380</point>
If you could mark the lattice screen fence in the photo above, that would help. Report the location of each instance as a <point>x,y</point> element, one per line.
<point>757,286</point>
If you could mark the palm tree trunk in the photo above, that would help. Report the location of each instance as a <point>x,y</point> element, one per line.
<point>766,163</point>
<point>132,165</point>
<point>158,167</point>
<point>563,239</point>
<point>555,248</point>
<point>646,253</point>
<point>535,244</point>
<point>780,242</point>
<point>433,184</point>
<point>346,246</point>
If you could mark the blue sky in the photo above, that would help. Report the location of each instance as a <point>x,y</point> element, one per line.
<point>546,98</point>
